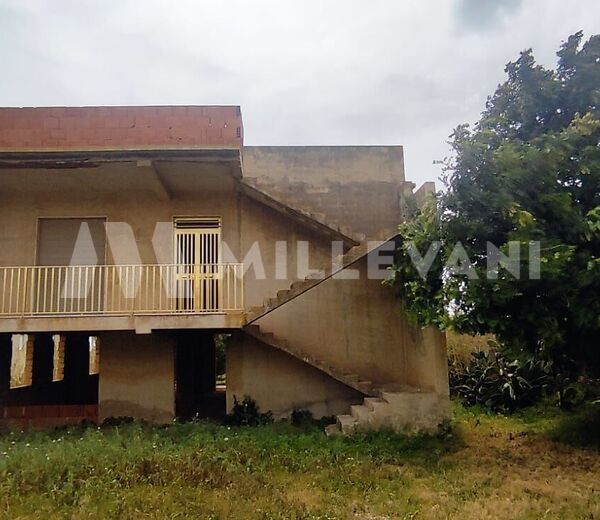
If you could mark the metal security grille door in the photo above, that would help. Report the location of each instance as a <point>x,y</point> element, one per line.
<point>197,256</point>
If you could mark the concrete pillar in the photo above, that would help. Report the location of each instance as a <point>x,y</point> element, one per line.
<point>22,360</point>
<point>137,376</point>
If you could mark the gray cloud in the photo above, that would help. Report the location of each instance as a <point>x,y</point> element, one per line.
<point>480,15</point>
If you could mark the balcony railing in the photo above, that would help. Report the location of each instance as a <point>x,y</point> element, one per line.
<point>121,290</point>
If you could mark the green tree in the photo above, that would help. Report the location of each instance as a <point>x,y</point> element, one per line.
<point>528,170</point>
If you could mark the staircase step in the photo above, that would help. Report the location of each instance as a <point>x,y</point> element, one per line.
<point>365,386</point>
<point>333,429</point>
<point>360,412</point>
<point>347,423</point>
<point>282,294</point>
<point>297,286</point>
<point>351,377</point>
<point>317,275</point>
<point>374,402</point>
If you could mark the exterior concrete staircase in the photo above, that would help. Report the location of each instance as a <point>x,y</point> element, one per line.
<point>388,406</point>
<point>349,379</point>
<point>403,410</point>
<point>299,287</point>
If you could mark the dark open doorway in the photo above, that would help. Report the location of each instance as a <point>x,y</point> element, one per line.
<point>197,395</point>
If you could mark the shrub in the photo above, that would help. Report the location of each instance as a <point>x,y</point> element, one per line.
<point>247,413</point>
<point>117,421</point>
<point>489,379</point>
<point>301,417</point>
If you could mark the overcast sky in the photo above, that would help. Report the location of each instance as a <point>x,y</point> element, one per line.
<point>304,71</point>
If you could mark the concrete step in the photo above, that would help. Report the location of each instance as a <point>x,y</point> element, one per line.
<point>332,429</point>
<point>361,413</point>
<point>347,423</point>
<point>282,294</point>
<point>365,386</point>
<point>374,403</point>
<point>412,412</point>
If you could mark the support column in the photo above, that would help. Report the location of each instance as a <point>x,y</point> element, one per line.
<point>137,376</point>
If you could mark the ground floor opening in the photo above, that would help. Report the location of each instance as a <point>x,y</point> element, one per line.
<point>48,379</point>
<point>51,379</point>
<point>200,375</point>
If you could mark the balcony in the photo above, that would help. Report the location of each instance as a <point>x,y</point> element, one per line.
<point>124,295</point>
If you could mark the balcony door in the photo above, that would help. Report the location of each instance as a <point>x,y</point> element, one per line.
<point>198,274</point>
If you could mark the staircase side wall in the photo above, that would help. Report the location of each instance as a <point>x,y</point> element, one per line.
<point>360,326</point>
<point>281,383</point>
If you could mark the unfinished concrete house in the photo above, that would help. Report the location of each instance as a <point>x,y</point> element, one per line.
<point>136,241</point>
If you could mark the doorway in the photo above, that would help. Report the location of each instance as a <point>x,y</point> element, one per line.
<point>198,272</point>
<point>197,395</point>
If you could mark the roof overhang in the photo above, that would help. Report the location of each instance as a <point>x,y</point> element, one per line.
<point>62,159</point>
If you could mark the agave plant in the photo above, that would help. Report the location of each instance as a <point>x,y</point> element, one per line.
<point>502,385</point>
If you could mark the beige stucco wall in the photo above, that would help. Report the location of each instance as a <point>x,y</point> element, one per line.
<point>110,192</point>
<point>281,383</point>
<point>263,227</point>
<point>137,374</point>
<point>123,202</point>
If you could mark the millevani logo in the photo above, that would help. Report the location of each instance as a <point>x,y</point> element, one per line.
<point>288,260</point>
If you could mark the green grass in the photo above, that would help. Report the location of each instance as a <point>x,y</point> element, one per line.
<point>488,466</point>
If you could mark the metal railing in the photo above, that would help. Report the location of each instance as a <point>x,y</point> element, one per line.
<point>120,289</point>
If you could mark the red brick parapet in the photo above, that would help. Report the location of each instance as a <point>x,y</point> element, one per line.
<point>120,128</point>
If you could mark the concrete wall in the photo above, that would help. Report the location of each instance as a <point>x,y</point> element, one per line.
<point>356,186</point>
<point>108,192</point>
<point>137,374</point>
<point>281,383</point>
<point>263,227</point>
<point>111,192</point>
<point>359,325</point>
